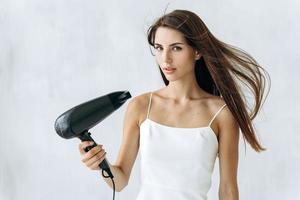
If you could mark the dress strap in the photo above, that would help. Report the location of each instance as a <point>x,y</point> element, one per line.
<point>216,114</point>
<point>149,105</point>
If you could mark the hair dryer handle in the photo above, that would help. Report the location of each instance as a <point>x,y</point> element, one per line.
<point>86,136</point>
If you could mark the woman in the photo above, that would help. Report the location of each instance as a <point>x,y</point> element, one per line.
<point>193,120</point>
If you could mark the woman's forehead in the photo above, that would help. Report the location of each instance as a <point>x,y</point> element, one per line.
<point>166,36</point>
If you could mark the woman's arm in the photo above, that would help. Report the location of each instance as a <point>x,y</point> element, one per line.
<point>128,151</point>
<point>228,155</point>
<point>130,141</point>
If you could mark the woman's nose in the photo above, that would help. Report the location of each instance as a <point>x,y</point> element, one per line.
<point>166,56</point>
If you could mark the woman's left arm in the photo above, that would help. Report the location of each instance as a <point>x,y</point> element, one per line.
<point>228,155</point>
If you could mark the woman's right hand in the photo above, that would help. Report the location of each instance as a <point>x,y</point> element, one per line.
<point>93,157</point>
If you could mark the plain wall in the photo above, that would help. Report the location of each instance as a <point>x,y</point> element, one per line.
<point>55,54</point>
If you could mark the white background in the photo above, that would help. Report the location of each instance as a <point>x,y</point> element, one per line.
<point>55,54</point>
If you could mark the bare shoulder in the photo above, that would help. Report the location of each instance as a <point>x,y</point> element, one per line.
<point>217,106</point>
<point>215,103</point>
<point>225,120</point>
<point>138,106</point>
<point>141,100</point>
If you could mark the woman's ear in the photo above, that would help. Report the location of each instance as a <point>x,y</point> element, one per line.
<point>197,55</point>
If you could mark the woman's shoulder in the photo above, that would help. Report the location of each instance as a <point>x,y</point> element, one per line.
<point>138,105</point>
<point>215,102</point>
<point>141,98</point>
<point>139,102</point>
<point>225,116</point>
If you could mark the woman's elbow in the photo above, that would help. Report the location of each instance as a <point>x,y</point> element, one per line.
<point>229,193</point>
<point>121,188</point>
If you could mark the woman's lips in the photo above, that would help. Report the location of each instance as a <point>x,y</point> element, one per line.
<point>169,70</point>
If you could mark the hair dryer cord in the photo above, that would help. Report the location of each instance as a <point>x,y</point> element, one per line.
<point>113,183</point>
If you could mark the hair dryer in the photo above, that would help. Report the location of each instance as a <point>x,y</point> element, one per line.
<point>77,121</point>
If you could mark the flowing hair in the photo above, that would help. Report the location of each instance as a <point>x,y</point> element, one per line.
<point>222,69</point>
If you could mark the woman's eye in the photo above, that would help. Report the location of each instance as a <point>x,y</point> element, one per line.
<point>157,48</point>
<point>177,48</point>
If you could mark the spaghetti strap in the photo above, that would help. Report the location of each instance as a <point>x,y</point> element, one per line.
<point>216,114</point>
<point>149,105</point>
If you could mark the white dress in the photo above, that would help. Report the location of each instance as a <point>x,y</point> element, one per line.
<point>176,163</point>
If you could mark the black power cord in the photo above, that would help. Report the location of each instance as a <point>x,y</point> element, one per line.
<point>113,182</point>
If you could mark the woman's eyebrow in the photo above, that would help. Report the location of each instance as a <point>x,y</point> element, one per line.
<point>170,44</point>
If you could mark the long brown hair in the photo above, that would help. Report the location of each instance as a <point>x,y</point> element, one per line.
<point>222,69</point>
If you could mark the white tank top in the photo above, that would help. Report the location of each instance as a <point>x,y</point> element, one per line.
<point>176,163</point>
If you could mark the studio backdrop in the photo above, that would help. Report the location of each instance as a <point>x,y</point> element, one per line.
<point>55,54</point>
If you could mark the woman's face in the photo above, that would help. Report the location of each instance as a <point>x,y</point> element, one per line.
<point>172,51</point>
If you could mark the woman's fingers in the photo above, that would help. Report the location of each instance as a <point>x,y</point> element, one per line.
<point>95,165</point>
<point>83,145</point>
<point>93,157</point>
<point>88,155</point>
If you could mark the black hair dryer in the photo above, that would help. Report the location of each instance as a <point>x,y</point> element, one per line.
<point>77,121</point>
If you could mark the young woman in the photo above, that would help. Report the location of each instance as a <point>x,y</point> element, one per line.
<point>183,127</point>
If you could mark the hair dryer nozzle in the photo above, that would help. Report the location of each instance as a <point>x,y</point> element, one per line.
<point>83,117</point>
